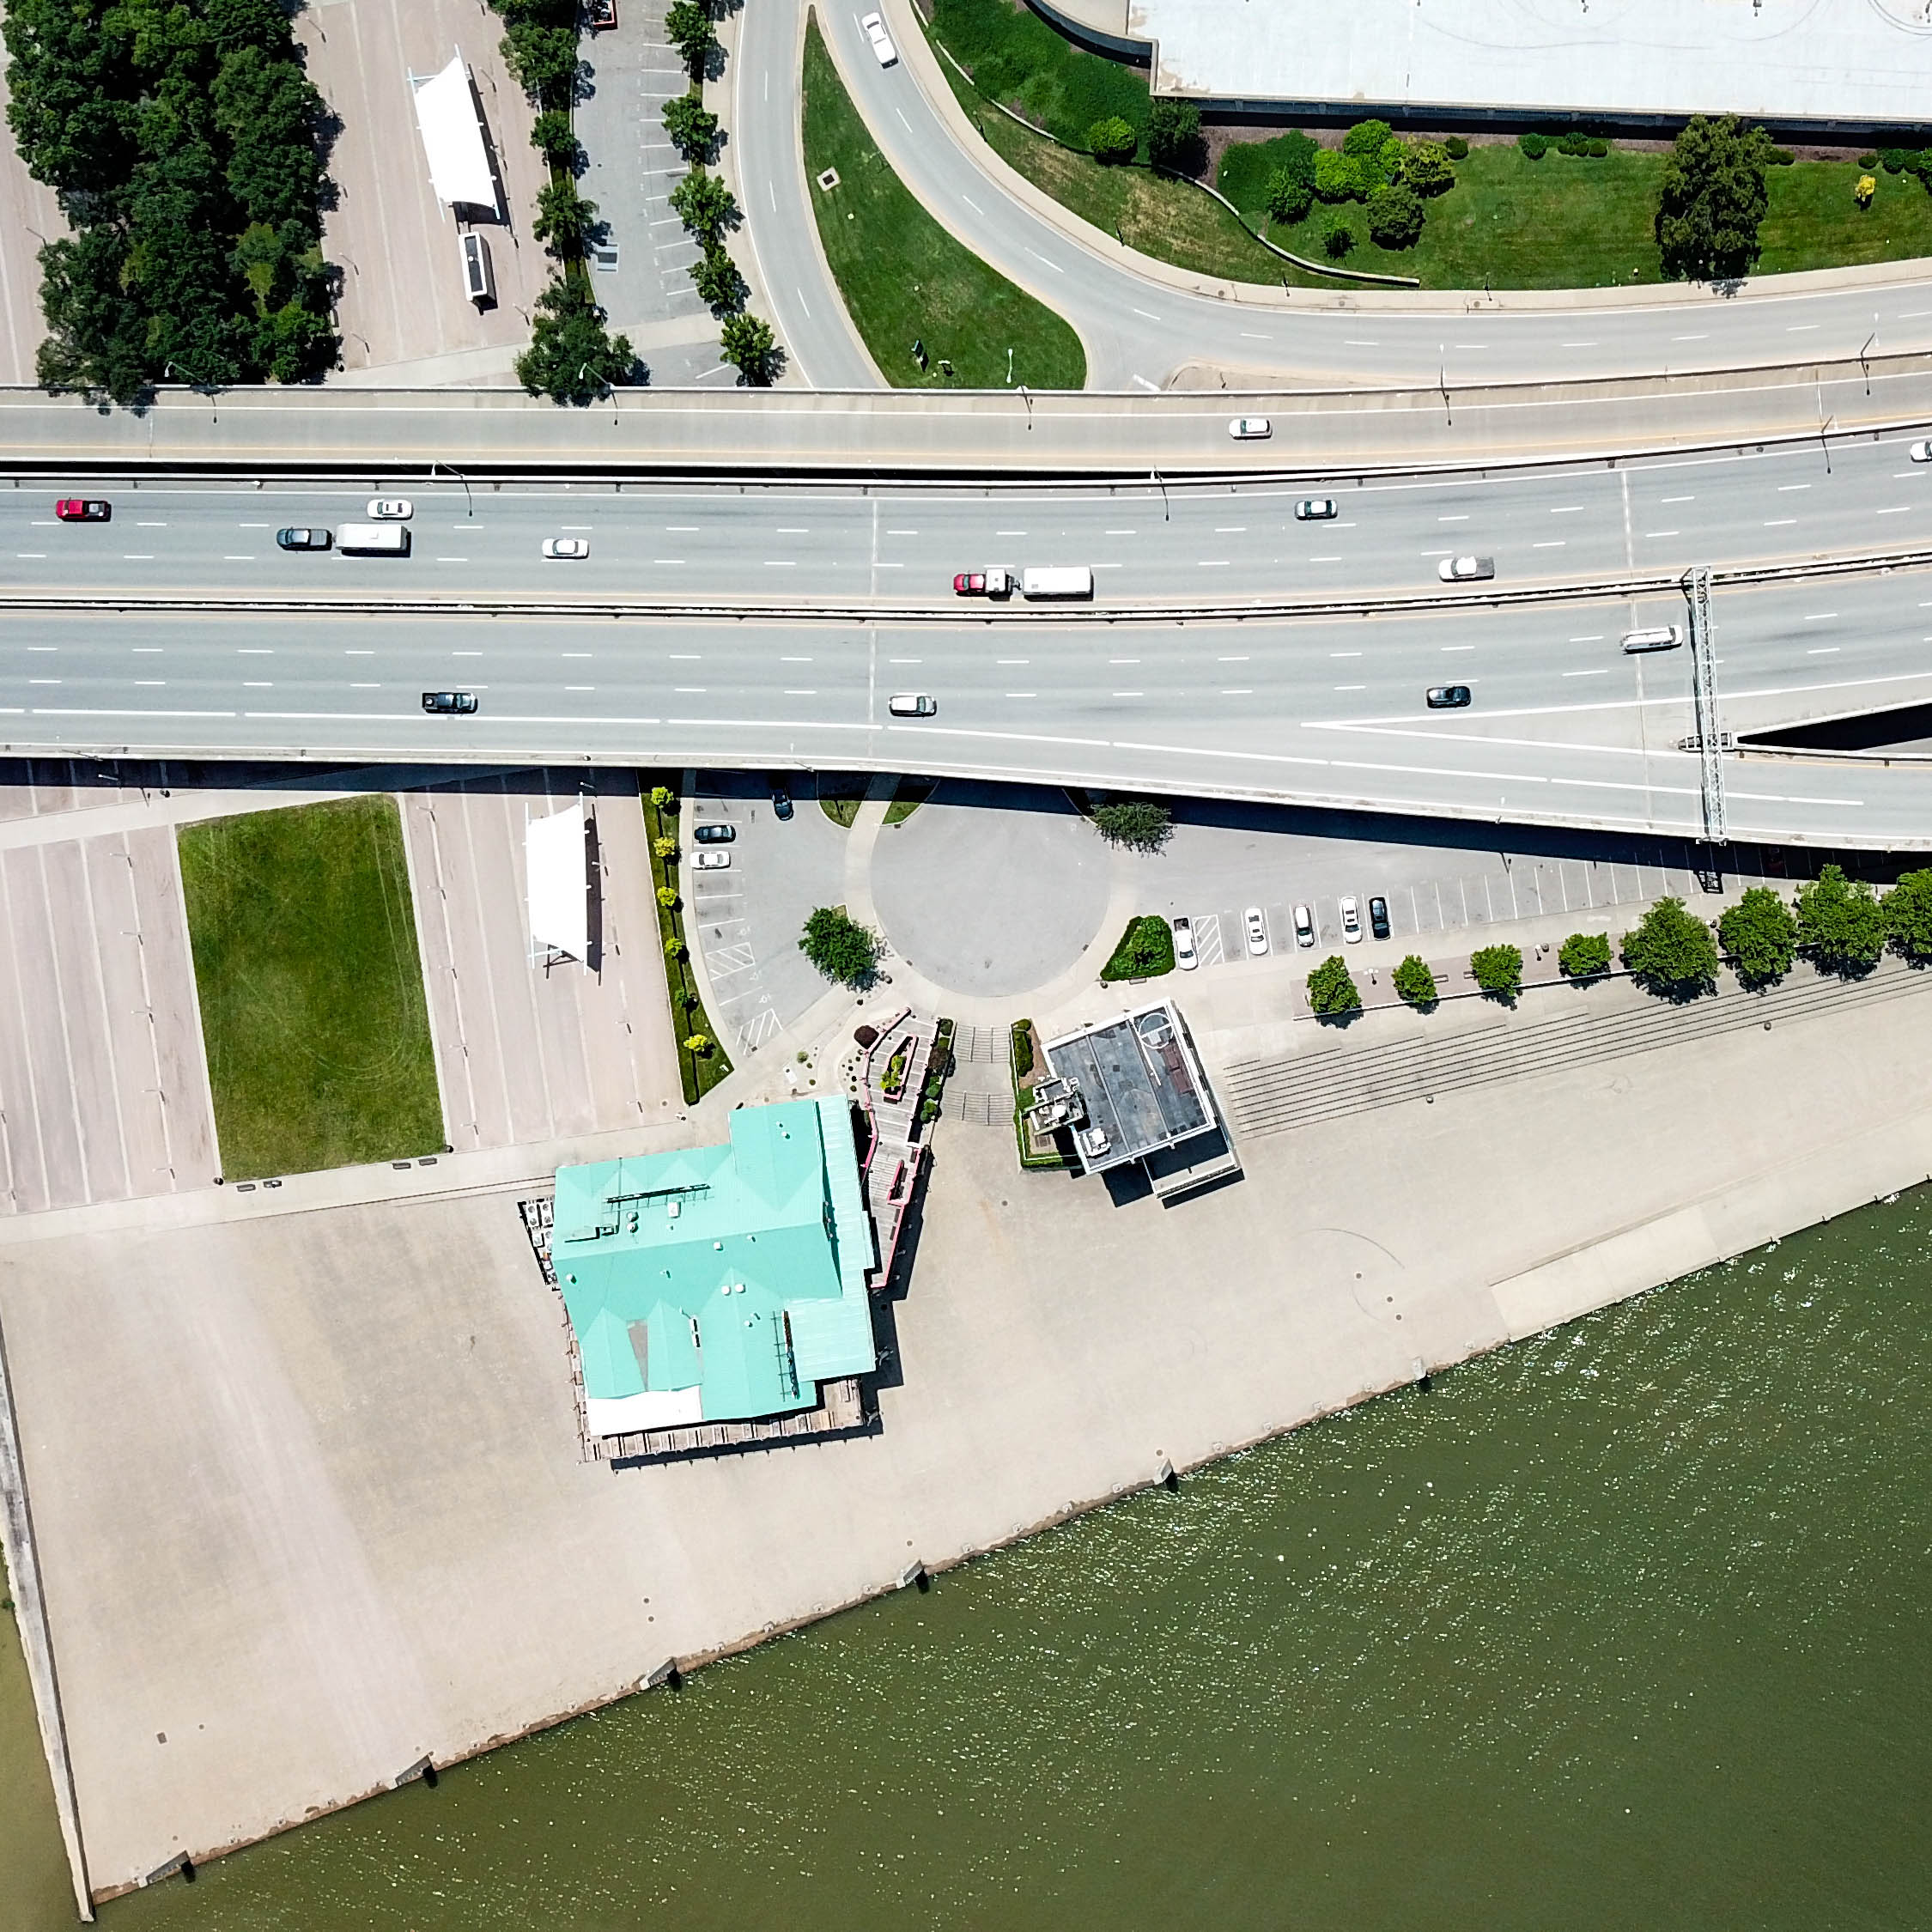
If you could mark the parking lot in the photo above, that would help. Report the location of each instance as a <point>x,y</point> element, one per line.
<point>1436,877</point>
<point>748,916</point>
<point>528,1051</point>
<point>402,293</point>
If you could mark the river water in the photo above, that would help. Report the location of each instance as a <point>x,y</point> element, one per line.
<point>1625,1627</point>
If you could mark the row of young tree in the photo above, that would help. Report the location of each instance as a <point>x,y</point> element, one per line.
<point>185,144</point>
<point>1840,925</point>
<point>573,357</point>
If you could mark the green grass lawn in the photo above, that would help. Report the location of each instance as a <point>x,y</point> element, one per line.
<point>310,988</point>
<point>904,278</point>
<point>1561,222</point>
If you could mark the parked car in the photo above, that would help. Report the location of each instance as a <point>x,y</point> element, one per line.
<point>780,802</point>
<point>1315,509</point>
<point>1350,920</point>
<point>1446,698</point>
<point>1378,916</point>
<point>391,509</point>
<point>303,539</point>
<point>1305,926</point>
<point>566,549</point>
<point>710,861</point>
<point>713,833</point>
<point>1185,956</point>
<point>599,15</point>
<point>1257,930</point>
<point>450,703</point>
<point>874,25</point>
<point>83,509</point>
<point>911,704</point>
<point>1920,452</point>
<point>1465,569</point>
<point>1250,428</point>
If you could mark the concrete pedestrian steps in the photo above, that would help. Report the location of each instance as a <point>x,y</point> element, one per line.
<point>1276,1095</point>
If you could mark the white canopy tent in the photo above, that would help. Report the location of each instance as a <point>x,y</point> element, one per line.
<point>445,112</point>
<point>556,884</point>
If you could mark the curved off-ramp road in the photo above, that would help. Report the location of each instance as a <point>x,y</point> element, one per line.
<point>1141,322</point>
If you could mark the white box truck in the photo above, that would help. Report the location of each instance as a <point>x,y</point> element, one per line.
<point>373,539</point>
<point>1060,580</point>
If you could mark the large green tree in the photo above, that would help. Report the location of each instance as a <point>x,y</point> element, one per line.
<point>182,138</point>
<point>572,357</point>
<point>1672,951</point>
<point>1499,970</point>
<point>1840,923</point>
<point>1139,824</point>
<point>840,947</point>
<point>1908,916</point>
<point>1332,991</point>
<point>1760,935</point>
<point>1713,198</point>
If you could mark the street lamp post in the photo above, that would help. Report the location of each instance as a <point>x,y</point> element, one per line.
<point>1154,478</point>
<point>468,502</point>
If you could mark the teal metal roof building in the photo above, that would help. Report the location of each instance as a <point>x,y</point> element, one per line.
<point>718,1284</point>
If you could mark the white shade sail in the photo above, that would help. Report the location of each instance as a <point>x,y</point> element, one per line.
<point>445,112</point>
<point>556,882</point>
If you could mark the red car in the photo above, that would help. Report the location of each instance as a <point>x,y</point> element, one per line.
<point>990,582</point>
<point>82,509</point>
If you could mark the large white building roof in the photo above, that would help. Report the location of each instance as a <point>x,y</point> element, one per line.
<point>1847,62</point>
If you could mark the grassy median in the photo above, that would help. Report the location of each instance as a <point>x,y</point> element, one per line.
<point>310,988</point>
<point>1560,222</point>
<point>905,279</point>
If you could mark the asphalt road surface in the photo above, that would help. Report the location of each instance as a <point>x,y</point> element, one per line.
<point>1137,332</point>
<point>1566,728</point>
<point>1199,544</point>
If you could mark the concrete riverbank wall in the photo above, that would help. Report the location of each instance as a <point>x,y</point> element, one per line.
<point>316,1510</point>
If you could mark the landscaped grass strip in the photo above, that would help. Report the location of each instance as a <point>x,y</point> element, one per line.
<point>905,279</point>
<point>310,988</point>
<point>699,1073</point>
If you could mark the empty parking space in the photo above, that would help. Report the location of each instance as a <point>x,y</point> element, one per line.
<point>402,296</point>
<point>103,1093</point>
<point>748,916</point>
<point>530,1049</point>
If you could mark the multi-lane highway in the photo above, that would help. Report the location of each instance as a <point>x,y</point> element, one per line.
<point>1172,545</point>
<point>1138,331</point>
<point>1565,726</point>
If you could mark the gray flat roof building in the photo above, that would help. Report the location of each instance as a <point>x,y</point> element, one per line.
<point>1131,1089</point>
<point>1824,64</point>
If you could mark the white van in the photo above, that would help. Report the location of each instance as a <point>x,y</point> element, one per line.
<point>1065,580</point>
<point>373,539</point>
<point>1660,637</point>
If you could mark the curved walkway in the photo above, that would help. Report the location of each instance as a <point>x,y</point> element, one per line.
<point>1144,322</point>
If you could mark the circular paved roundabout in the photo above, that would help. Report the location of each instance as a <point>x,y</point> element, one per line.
<point>991,890</point>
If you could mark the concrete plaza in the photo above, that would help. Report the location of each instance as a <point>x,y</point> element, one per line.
<point>341,1520</point>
